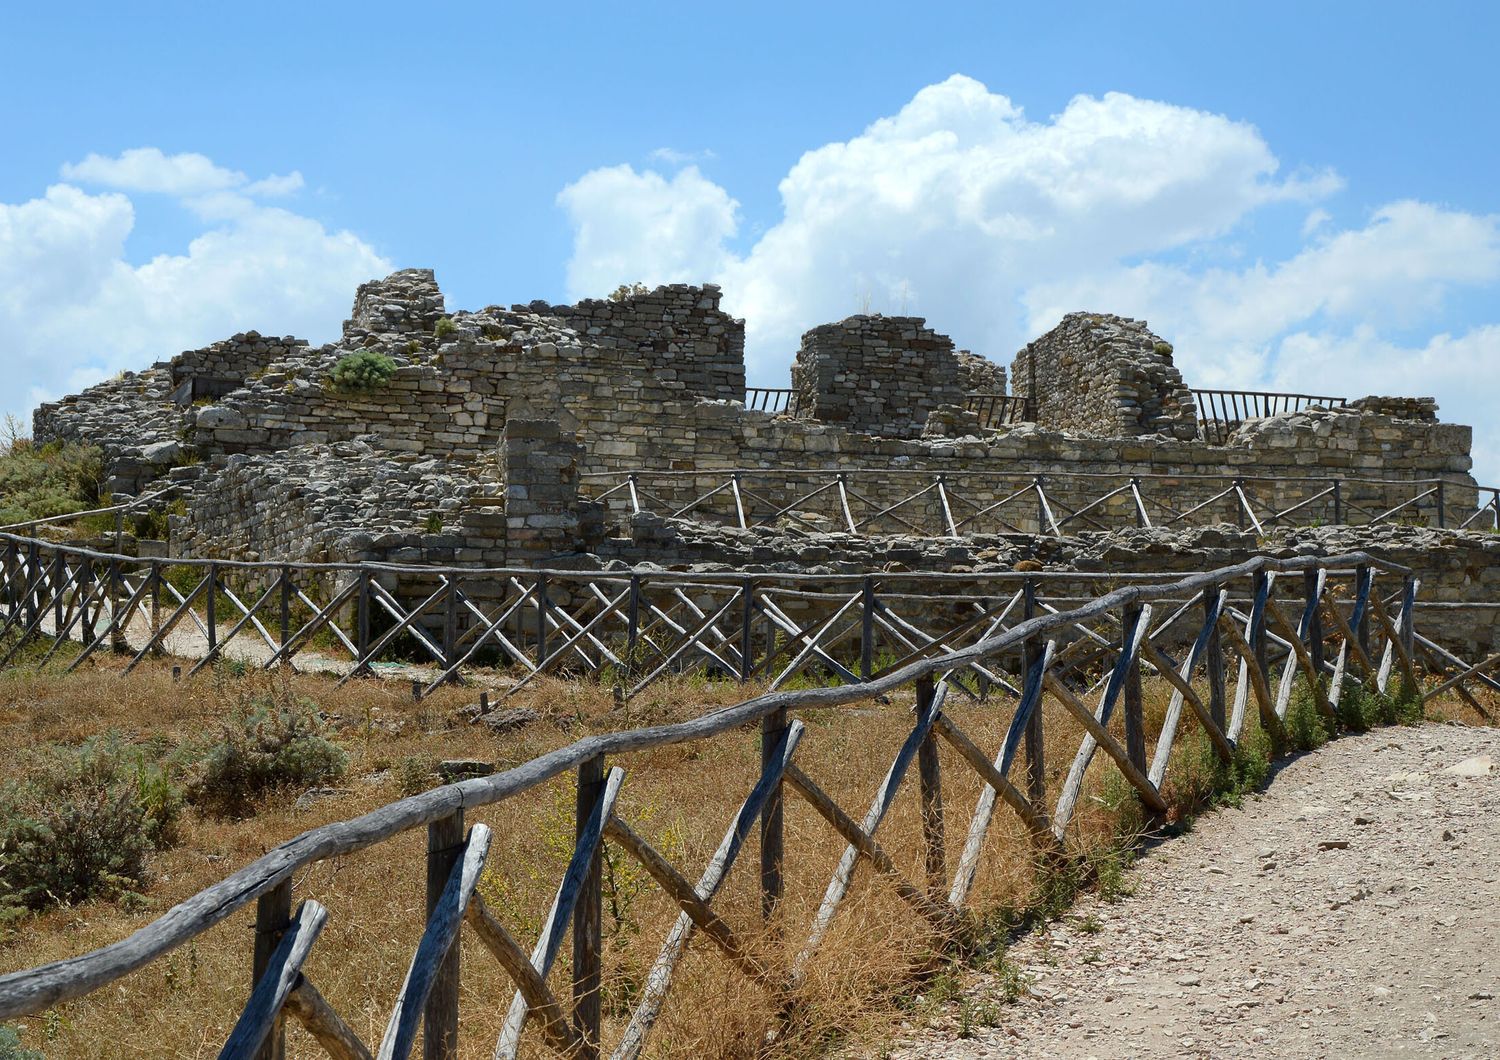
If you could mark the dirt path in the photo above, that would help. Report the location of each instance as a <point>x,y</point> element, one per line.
<point>1353,910</point>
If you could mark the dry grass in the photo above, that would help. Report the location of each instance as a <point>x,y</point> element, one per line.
<point>681,798</point>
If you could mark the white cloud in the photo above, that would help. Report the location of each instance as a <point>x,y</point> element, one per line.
<point>74,309</point>
<point>631,227</point>
<point>993,226</point>
<point>673,157</point>
<point>958,200</point>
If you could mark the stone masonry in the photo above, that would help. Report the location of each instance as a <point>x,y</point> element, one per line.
<point>876,374</point>
<point>1105,375</point>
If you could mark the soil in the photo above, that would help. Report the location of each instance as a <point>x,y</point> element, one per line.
<point>1351,910</point>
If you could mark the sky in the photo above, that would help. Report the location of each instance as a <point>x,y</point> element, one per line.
<point>1298,196</point>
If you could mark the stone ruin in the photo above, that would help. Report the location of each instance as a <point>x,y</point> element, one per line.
<point>499,429</point>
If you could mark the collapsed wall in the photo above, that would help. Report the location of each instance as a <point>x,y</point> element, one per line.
<point>1104,375</point>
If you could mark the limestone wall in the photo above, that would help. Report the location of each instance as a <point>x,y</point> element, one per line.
<point>1104,375</point>
<point>876,374</point>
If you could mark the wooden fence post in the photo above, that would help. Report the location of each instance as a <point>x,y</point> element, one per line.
<point>588,918</point>
<point>747,631</point>
<point>541,619</point>
<point>1213,660</point>
<point>1442,506</point>
<point>1135,719</point>
<point>929,771</point>
<point>1364,586</point>
<point>867,629</point>
<point>1036,754</point>
<point>211,612</point>
<point>1338,501</point>
<point>273,912</point>
<point>445,845</point>
<point>1314,621</point>
<point>362,620</point>
<point>285,618</point>
<point>450,623</point>
<point>772,817</point>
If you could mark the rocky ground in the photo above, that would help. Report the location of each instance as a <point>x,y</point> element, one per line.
<point>1352,910</point>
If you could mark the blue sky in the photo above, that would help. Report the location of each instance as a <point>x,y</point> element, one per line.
<point>1300,196</point>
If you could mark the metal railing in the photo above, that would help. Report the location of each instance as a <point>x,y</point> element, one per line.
<point>1001,410</point>
<point>772,399</point>
<point>1243,635</point>
<point>1220,412</point>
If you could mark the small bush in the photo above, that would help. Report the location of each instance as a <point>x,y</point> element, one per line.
<point>628,290</point>
<point>82,824</point>
<point>365,370</point>
<point>11,1047</point>
<point>444,327</point>
<point>37,482</point>
<point>266,746</point>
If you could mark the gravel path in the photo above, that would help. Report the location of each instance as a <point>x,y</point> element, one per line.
<point>1353,910</point>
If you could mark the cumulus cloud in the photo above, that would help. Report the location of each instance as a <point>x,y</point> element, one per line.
<point>74,309</point>
<point>993,225</point>
<point>631,227</point>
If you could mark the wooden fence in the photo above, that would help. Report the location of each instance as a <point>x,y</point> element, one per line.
<point>869,501</point>
<point>1241,635</point>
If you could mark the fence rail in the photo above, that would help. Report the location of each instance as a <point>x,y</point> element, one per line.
<point>871,501</point>
<point>772,399</point>
<point>1222,640</point>
<point>1001,410</point>
<point>1220,412</point>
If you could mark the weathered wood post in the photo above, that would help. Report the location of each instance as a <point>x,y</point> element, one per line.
<point>362,620</point>
<point>445,845</point>
<point>772,816</point>
<point>117,640</point>
<point>1258,642</point>
<point>450,623</point>
<point>1338,501</point>
<point>155,601</point>
<point>1213,658</point>
<point>632,627</point>
<point>59,579</point>
<point>867,629</point>
<point>1036,754</point>
<point>273,912</point>
<point>1310,583</point>
<point>747,630</point>
<point>1407,624</point>
<point>87,599</point>
<point>929,772</point>
<point>285,616</point>
<point>1364,585</point>
<point>211,613</point>
<point>1135,718</point>
<point>1442,506</point>
<point>588,915</point>
<point>541,619</point>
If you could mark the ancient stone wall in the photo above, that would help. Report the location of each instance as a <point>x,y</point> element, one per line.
<point>980,375</point>
<point>347,501</point>
<point>876,374</point>
<point>221,367</point>
<point>1290,458</point>
<point>1104,375</point>
<point>1406,408</point>
<point>405,303</point>
<point>676,334</point>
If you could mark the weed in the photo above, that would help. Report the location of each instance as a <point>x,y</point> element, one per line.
<point>270,743</point>
<point>82,824</point>
<point>444,327</point>
<point>11,1047</point>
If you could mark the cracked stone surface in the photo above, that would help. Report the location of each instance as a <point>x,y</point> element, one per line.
<point>1352,910</point>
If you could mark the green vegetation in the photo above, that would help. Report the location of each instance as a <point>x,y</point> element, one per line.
<point>365,370</point>
<point>11,1047</point>
<point>444,327</point>
<point>269,744</point>
<point>38,482</point>
<point>628,290</point>
<point>81,823</point>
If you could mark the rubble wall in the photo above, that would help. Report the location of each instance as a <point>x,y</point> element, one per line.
<point>1104,375</point>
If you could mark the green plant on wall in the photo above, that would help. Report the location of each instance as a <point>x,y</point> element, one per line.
<point>365,370</point>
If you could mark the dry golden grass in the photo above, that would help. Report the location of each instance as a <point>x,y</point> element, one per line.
<point>681,798</point>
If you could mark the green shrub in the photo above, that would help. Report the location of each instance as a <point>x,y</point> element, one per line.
<point>11,1047</point>
<point>266,746</point>
<point>445,327</point>
<point>365,370</point>
<point>37,482</point>
<point>82,823</point>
